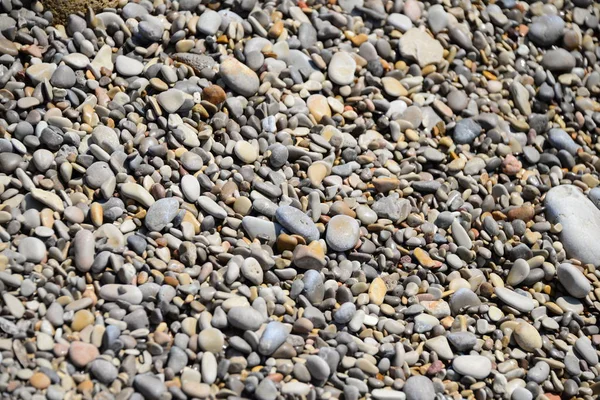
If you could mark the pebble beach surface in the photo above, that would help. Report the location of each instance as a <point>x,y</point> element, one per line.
<point>343,199</point>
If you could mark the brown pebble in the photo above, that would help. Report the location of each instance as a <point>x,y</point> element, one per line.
<point>39,381</point>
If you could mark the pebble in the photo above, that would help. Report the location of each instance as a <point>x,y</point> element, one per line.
<point>567,206</point>
<point>343,233</point>
<point>259,200</point>
<point>478,367</point>
<point>419,46</point>
<point>161,213</point>
<point>419,388</point>
<point>295,221</point>
<point>239,77</point>
<point>341,68</point>
<point>573,280</point>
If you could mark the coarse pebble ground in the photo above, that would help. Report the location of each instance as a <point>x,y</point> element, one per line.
<point>299,199</point>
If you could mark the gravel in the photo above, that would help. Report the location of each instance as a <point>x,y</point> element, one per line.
<point>299,200</point>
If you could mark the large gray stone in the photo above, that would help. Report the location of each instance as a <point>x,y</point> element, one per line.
<point>580,221</point>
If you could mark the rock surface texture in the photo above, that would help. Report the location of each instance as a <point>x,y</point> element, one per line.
<point>299,200</point>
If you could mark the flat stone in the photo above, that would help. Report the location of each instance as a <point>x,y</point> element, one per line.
<point>239,77</point>
<point>245,318</point>
<point>128,66</point>
<point>295,221</point>
<point>417,45</point>
<point>341,68</point>
<point>419,388</point>
<point>573,280</point>
<point>33,249</point>
<point>274,336</point>
<point>546,30</point>
<point>81,354</point>
<point>527,337</point>
<point>478,367</point>
<point>209,22</point>
<point>171,100</point>
<point>343,233</point>
<point>161,213</point>
<point>514,300</point>
<point>151,387</point>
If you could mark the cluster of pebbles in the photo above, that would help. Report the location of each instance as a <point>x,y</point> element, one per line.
<point>339,199</point>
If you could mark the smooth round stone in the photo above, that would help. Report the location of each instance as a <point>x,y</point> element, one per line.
<point>527,337</point>
<point>295,221</point>
<point>63,77</point>
<point>81,354</point>
<point>584,348</point>
<point>133,10</point>
<point>106,138</point>
<point>195,389</point>
<point>437,18</point>
<point>546,30</point>
<point>246,152</point>
<point>400,22</point>
<point>573,280</point>
<point>318,106</point>
<point>539,372</point>
<point>463,298</point>
<point>478,367</point>
<point>580,221</point>
<point>561,140</point>
<point>190,187</point>
<point>239,77</point>
<point>115,292</point>
<point>366,215</point>
<point>137,193</point>
<point>514,300</point>
<point>97,174</point>
<point>209,22</point>
<point>127,66</point>
<point>458,100</point>
<point>559,60</point>
<point>252,271</point>
<point>341,68</point>
<point>568,303</point>
<point>84,250</point>
<point>245,318</point>
<point>14,305</point>
<point>518,272</point>
<point>318,367</point>
<point>419,388</point>
<point>104,370</point>
<point>191,161</point>
<point>151,387</point>
<point>274,336</point>
<point>171,100</point>
<point>8,47</point>
<point>209,368</point>
<point>33,249</point>
<point>344,314</point>
<point>279,155</point>
<point>211,207</point>
<point>343,233</point>
<point>151,29</point>
<point>43,159</point>
<point>161,213</point>
<point>393,87</point>
<point>211,339</point>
